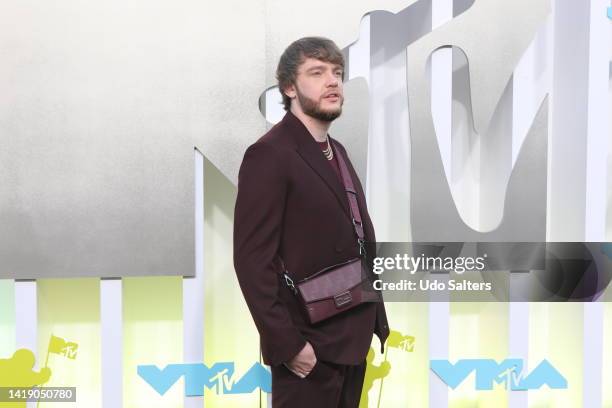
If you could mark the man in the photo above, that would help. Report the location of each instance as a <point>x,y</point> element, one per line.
<point>292,210</point>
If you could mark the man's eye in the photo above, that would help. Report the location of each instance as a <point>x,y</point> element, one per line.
<point>316,73</point>
<point>338,73</point>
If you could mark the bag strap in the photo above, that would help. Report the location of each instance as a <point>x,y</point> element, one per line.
<point>351,195</point>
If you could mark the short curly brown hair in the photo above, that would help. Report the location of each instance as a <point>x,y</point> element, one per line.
<point>320,48</point>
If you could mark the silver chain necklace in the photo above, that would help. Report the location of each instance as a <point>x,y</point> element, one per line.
<point>328,152</point>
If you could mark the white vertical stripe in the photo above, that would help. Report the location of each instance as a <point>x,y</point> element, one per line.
<point>592,369</point>
<point>518,345</point>
<point>193,288</point>
<point>598,126</point>
<point>567,147</point>
<point>441,109</point>
<point>531,83</point>
<point>439,323</point>
<point>574,160</point>
<point>26,318</point>
<point>598,136</point>
<point>111,329</point>
<point>26,322</point>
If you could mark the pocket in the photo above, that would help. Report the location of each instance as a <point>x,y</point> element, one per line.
<point>322,372</point>
<point>315,368</point>
<point>289,374</point>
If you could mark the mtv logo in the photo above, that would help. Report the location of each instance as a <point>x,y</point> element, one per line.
<point>198,377</point>
<point>489,372</point>
<point>70,350</point>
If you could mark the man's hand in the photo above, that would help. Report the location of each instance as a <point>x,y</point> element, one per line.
<point>303,363</point>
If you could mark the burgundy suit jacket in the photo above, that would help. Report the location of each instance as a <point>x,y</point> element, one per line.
<point>291,205</point>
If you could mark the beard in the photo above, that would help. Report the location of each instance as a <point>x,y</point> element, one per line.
<point>313,108</point>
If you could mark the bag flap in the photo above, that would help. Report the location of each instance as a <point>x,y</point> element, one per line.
<point>332,282</point>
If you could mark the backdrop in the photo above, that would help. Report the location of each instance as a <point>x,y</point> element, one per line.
<point>122,128</point>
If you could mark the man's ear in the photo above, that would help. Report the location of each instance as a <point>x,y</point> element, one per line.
<point>290,91</point>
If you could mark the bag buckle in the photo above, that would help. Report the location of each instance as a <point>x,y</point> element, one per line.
<point>289,283</point>
<point>362,250</point>
<point>342,299</point>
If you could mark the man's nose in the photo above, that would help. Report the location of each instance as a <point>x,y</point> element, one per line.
<point>332,79</point>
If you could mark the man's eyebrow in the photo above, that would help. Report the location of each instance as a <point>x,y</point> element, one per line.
<point>315,67</point>
<point>321,66</point>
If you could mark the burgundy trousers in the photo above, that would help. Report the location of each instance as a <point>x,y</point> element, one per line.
<point>328,385</point>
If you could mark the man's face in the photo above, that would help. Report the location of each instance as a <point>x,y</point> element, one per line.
<point>318,89</point>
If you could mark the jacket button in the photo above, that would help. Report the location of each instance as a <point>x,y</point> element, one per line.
<point>339,248</point>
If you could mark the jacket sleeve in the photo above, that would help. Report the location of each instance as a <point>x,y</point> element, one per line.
<point>260,204</point>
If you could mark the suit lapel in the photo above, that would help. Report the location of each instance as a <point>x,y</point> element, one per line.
<point>310,151</point>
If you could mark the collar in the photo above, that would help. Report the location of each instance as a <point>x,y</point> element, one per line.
<point>308,148</point>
